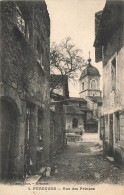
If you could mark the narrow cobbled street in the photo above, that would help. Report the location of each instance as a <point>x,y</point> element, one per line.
<point>82,162</point>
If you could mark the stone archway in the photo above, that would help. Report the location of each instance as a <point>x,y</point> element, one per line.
<point>9,133</point>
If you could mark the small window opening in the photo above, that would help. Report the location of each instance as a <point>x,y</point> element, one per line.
<point>93,84</point>
<point>75,123</point>
<point>82,86</point>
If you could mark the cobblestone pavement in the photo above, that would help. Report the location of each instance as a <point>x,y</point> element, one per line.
<point>83,163</point>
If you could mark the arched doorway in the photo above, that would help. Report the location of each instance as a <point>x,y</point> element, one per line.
<point>9,137</point>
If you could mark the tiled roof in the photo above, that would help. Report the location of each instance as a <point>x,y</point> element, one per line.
<point>57,97</point>
<point>86,109</point>
<point>77,99</point>
<point>73,110</point>
<point>97,99</point>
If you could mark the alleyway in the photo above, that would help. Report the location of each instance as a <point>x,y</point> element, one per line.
<point>83,162</point>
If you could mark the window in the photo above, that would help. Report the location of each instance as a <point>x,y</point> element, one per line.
<point>93,84</point>
<point>20,20</point>
<point>82,86</point>
<point>113,73</point>
<point>75,123</point>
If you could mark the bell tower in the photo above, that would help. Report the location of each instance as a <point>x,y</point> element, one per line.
<point>89,81</point>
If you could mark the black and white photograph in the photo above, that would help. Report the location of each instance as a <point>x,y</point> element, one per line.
<point>62,97</point>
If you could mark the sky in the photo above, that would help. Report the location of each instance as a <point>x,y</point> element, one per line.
<point>75,18</point>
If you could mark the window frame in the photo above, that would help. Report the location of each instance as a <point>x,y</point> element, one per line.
<point>95,84</point>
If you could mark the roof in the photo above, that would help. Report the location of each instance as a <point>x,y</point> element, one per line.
<point>98,50</point>
<point>57,79</point>
<point>97,99</point>
<point>110,21</point>
<point>57,97</point>
<point>73,110</point>
<point>77,99</point>
<point>90,71</point>
<point>86,109</point>
<point>91,121</point>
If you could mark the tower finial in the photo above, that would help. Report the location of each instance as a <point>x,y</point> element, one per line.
<point>89,60</point>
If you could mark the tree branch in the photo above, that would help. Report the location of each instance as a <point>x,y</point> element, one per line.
<point>66,58</point>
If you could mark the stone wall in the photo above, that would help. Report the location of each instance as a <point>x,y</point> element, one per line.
<point>24,79</point>
<point>69,123</point>
<point>113,99</point>
<point>113,96</point>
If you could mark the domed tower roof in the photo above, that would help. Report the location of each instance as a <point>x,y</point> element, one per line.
<point>89,70</point>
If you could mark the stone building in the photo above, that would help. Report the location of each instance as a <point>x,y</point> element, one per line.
<point>90,91</point>
<point>74,117</point>
<point>59,94</point>
<point>24,87</point>
<point>109,46</point>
